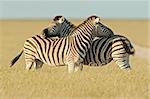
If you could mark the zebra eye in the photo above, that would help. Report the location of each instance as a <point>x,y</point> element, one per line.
<point>45,31</point>
<point>62,19</point>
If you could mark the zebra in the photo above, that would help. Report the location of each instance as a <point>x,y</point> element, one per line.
<point>70,50</point>
<point>104,49</point>
<point>62,25</point>
<point>104,31</point>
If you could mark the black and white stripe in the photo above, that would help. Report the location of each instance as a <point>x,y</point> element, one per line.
<point>108,47</point>
<point>104,30</point>
<point>70,50</point>
<point>105,49</point>
<point>63,28</point>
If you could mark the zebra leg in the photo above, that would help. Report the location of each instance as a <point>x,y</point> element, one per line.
<point>90,64</point>
<point>81,66</point>
<point>71,67</point>
<point>38,64</point>
<point>78,66</point>
<point>93,64</point>
<point>29,64</point>
<point>30,61</point>
<point>35,63</point>
<point>123,62</point>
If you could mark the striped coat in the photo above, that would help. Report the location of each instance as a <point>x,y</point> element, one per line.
<point>69,50</point>
<point>104,49</point>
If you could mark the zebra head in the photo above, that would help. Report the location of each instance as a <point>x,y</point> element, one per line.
<point>103,30</point>
<point>94,19</point>
<point>65,26</point>
<point>54,29</point>
<point>59,19</point>
<point>62,27</point>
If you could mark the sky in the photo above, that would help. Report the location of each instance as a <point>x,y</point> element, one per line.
<point>43,9</point>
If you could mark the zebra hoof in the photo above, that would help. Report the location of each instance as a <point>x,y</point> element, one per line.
<point>70,71</point>
<point>28,68</point>
<point>127,68</point>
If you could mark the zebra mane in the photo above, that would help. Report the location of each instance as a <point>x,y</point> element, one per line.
<point>80,25</point>
<point>88,19</point>
<point>92,17</point>
<point>57,17</point>
<point>68,22</point>
<point>110,30</point>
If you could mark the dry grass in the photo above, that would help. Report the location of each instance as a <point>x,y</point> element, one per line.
<point>108,82</point>
<point>93,83</point>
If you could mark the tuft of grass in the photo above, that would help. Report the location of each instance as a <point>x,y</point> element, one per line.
<point>93,82</point>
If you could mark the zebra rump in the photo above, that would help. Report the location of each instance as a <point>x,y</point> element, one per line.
<point>103,50</point>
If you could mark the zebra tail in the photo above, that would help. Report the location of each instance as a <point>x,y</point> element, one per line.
<point>14,60</point>
<point>129,48</point>
<point>132,51</point>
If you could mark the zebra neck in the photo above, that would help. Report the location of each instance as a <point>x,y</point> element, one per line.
<point>87,29</point>
<point>83,27</point>
<point>83,34</point>
<point>66,28</point>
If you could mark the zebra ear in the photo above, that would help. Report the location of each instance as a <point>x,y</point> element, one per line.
<point>97,20</point>
<point>61,20</point>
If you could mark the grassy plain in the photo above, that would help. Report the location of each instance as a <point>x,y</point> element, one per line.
<point>107,82</point>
